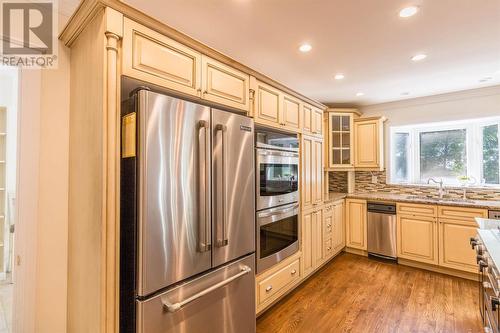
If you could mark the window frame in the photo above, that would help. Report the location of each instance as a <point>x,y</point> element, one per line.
<point>474,156</point>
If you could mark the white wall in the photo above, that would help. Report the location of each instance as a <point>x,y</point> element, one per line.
<point>477,103</point>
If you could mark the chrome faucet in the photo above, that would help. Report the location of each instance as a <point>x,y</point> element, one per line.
<point>441,191</point>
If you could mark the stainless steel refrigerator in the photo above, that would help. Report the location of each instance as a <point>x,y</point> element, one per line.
<point>187,217</point>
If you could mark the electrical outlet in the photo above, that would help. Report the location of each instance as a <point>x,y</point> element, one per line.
<point>374,179</point>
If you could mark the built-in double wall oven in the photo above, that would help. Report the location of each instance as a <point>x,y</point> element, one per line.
<point>277,171</point>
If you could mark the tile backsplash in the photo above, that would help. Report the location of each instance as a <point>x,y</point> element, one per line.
<point>363,183</point>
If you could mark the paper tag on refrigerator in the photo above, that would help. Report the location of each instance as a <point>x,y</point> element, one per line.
<point>128,135</point>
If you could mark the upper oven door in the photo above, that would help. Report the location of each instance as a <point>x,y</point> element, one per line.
<point>277,178</point>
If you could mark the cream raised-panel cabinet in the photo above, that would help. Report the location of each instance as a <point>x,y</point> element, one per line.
<point>317,122</point>
<point>307,118</point>
<point>339,125</point>
<point>312,240</point>
<point>290,117</point>
<point>356,224</point>
<point>275,108</point>
<point>152,57</point>
<point>456,227</point>
<point>311,151</point>
<point>338,234</point>
<point>369,143</point>
<point>417,233</point>
<point>224,85</point>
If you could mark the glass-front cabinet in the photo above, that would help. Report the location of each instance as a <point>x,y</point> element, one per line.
<point>341,138</point>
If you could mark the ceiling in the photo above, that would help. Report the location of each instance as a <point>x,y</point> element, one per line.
<point>363,39</point>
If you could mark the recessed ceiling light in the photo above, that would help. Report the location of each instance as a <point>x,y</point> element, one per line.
<point>408,11</point>
<point>360,94</point>
<point>405,93</point>
<point>419,57</point>
<point>305,48</point>
<point>339,76</point>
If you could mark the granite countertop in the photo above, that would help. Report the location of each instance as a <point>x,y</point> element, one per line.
<point>334,196</point>
<point>381,196</point>
<point>489,233</point>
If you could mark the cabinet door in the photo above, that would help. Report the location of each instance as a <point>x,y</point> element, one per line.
<point>318,171</point>
<point>356,224</point>
<point>340,140</point>
<point>317,230</point>
<point>317,121</point>
<point>153,57</point>
<point>225,85</point>
<point>367,144</point>
<point>454,249</point>
<point>328,223</point>
<point>307,118</point>
<point>267,104</point>
<point>338,235</point>
<point>307,243</point>
<point>417,238</point>
<point>307,173</point>
<point>290,117</point>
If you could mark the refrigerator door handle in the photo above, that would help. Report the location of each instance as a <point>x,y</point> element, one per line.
<point>204,234</point>
<point>224,241</point>
<point>173,307</point>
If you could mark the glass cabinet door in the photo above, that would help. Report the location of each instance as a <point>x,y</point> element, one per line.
<point>340,126</point>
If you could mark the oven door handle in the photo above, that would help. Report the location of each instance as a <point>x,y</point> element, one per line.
<point>278,212</point>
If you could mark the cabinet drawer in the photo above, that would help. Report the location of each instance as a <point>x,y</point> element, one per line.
<point>327,248</point>
<point>155,58</point>
<point>279,280</point>
<point>465,214</point>
<point>417,209</point>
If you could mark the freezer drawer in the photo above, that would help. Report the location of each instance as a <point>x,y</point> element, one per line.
<point>220,301</point>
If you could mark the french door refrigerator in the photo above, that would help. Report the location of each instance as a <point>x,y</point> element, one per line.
<point>187,237</point>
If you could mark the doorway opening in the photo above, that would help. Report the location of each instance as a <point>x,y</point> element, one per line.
<point>9,92</point>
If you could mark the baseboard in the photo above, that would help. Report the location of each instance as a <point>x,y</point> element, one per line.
<point>439,269</point>
<point>356,251</point>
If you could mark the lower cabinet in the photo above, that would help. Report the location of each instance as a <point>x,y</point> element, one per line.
<point>417,238</point>
<point>456,226</point>
<point>454,249</point>
<point>356,224</point>
<point>277,281</point>
<point>312,240</point>
<point>338,235</point>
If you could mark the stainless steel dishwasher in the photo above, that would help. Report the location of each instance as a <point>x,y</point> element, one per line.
<point>382,230</point>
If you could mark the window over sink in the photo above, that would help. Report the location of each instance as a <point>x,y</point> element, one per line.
<point>459,152</point>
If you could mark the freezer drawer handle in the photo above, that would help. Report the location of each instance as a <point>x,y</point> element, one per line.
<point>176,306</point>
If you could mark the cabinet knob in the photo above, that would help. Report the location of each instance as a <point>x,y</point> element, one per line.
<point>329,248</point>
<point>293,272</point>
<point>328,225</point>
<point>269,288</point>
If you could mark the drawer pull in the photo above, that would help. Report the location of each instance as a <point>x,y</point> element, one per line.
<point>293,272</point>
<point>329,248</point>
<point>269,288</point>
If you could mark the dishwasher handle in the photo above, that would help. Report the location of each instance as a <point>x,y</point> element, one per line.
<point>374,207</point>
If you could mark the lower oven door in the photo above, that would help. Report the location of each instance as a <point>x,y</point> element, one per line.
<point>277,235</point>
<point>277,178</point>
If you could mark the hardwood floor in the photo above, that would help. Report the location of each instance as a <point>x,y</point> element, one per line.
<point>357,294</point>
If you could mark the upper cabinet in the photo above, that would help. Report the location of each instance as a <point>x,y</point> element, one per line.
<point>369,143</point>
<point>312,120</point>
<point>274,108</point>
<point>354,143</point>
<point>340,140</point>
<point>153,57</point>
<point>224,85</point>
